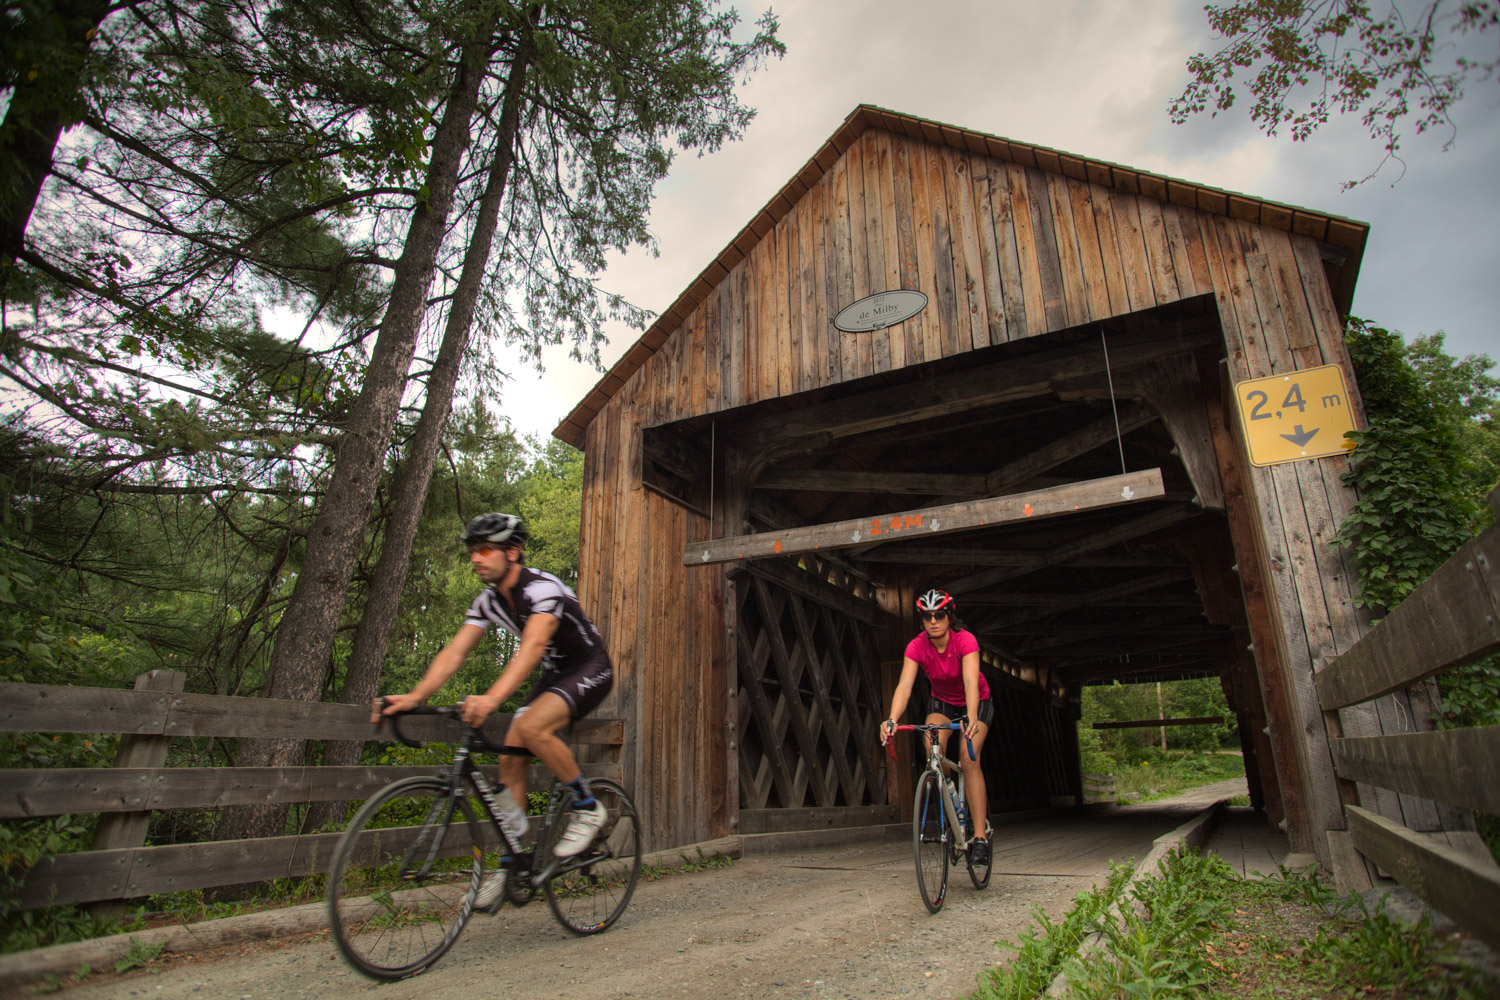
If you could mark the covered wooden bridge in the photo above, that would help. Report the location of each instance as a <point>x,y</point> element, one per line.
<point>1049,432</point>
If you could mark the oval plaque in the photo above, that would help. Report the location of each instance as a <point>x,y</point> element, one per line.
<point>876,312</point>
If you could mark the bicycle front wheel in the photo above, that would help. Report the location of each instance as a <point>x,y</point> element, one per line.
<point>404,877</point>
<point>588,892</point>
<point>929,837</point>
<point>980,874</point>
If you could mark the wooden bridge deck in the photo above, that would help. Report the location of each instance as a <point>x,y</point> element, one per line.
<point>1242,838</point>
<point>836,921</point>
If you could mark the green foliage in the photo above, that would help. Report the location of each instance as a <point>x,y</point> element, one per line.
<point>1471,694</point>
<point>1314,59</point>
<point>1188,699</point>
<point>36,644</point>
<point>52,982</point>
<point>189,906</point>
<point>22,845</point>
<point>1142,770</point>
<point>1045,946</point>
<point>553,508</point>
<point>1415,481</point>
<point>1091,753</point>
<point>1207,931</point>
<point>1153,774</point>
<point>141,956</point>
<point>1158,954</point>
<point>1422,469</point>
<point>685,865</point>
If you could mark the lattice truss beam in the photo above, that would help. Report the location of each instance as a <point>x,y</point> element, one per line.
<point>808,701</point>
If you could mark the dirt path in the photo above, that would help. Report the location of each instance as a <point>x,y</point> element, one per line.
<point>831,923</point>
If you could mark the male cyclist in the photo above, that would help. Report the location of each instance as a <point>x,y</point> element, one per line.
<point>556,635</point>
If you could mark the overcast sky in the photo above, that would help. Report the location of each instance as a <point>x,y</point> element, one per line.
<point>1091,78</point>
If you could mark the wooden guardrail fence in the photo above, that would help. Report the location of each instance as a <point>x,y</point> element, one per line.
<point>120,866</point>
<point>1452,619</point>
<point>1098,788</point>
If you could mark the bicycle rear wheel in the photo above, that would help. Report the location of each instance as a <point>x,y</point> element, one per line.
<point>404,877</point>
<point>588,892</point>
<point>930,837</point>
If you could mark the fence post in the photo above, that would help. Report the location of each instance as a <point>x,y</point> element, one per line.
<point>117,830</point>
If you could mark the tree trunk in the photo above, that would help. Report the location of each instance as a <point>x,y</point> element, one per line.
<point>39,111</point>
<point>409,492</point>
<point>304,639</point>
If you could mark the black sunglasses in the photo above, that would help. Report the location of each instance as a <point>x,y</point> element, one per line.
<point>932,616</point>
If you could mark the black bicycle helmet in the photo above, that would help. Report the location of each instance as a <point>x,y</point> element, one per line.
<point>936,600</point>
<point>497,529</point>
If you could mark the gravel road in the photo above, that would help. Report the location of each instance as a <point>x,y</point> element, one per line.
<point>834,922</point>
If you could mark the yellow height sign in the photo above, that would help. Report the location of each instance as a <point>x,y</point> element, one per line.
<point>1288,418</point>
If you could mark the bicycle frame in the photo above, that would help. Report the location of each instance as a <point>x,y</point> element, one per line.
<point>464,771</point>
<point>938,764</point>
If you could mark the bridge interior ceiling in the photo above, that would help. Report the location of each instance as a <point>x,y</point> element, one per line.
<point>1134,593</point>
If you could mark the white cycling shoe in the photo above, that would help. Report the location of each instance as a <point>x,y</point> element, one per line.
<point>490,892</point>
<point>581,829</point>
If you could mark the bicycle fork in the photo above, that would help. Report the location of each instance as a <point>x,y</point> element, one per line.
<point>428,841</point>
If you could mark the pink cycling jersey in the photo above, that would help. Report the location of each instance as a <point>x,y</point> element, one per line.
<point>945,670</point>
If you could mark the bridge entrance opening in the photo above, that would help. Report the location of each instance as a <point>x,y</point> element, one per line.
<point>995,476</point>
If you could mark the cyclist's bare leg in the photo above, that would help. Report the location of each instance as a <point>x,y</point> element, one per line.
<point>536,730</point>
<point>942,737</point>
<point>974,789</point>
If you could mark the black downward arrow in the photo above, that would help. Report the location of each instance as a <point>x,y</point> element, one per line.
<point>1301,438</point>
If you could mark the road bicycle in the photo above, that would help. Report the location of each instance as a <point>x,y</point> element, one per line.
<point>938,821</point>
<point>408,868</point>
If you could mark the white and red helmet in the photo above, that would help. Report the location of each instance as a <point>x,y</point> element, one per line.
<point>936,600</point>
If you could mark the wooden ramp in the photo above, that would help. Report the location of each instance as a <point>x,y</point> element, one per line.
<point>1243,838</point>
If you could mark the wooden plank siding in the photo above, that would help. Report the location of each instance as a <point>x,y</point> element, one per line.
<point>1004,249</point>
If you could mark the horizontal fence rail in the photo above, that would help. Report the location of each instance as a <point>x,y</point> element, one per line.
<point>29,793</point>
<point>1467,893</point>
<point>144,716</point>
<point>51,708</point>
<point>1456,766</point>
<point>124,873</point>
<point>1451,619</point>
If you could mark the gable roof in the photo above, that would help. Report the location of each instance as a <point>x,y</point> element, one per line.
<point>1345,237</point>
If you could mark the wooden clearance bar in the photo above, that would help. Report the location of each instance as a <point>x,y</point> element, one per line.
<point>1460,767</point>
<point>1457,885</point>
<point>1451,619</point>
<point>1204,720</point>
<point>1113,491</point>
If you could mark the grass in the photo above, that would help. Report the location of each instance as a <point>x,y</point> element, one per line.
<point>1161,775</point>
<point>1203,930</point>
<point>652,873</point>
<point>1044,947</point>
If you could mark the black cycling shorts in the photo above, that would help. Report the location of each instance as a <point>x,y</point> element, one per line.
<point>583,688</point>
<point>951,712</point>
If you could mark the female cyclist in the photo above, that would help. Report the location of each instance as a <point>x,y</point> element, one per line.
<point>950,657</point>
